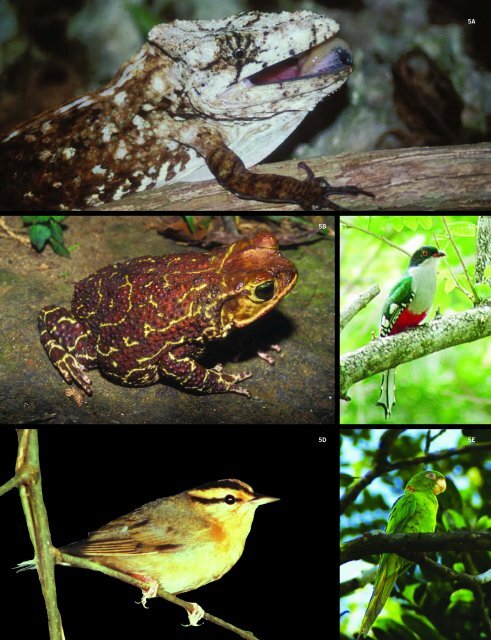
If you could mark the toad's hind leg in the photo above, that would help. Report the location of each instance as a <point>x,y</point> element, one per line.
<point>68,345</point>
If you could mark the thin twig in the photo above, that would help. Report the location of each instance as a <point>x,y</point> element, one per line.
<point>31,494</point>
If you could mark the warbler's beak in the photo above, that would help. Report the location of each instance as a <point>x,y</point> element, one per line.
<point>440,486</point>
<point>439,254</point>
<point>259,499</point>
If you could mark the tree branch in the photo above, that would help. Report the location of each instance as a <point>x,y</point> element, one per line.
<point>438,455</point>
<point>380,464</point>
<point>83,563</point>
<point>465,579</point>
<point>359,303</point>
<point>409,542</point>
<point>381,467</point>
<point>385,353</point>
<point>454,177</point>
<point>31,494</point>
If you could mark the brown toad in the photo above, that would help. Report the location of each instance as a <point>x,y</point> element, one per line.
<point>151,316</point>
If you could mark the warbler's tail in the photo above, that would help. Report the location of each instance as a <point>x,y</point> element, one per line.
<point>388,391</point>
<point>381,591</point>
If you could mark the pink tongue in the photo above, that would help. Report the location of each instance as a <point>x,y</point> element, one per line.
<point>314,61</point>
<point>281,71</point>
<point>320,59</point>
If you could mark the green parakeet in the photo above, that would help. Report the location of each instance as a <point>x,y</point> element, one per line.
<point>413,512</point>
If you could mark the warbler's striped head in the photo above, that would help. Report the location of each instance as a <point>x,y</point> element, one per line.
<point>227,499</point>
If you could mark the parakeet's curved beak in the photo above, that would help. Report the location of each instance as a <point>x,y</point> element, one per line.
<point>439,486</point>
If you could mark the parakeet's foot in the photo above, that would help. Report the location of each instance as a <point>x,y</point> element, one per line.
<point>195,615</point>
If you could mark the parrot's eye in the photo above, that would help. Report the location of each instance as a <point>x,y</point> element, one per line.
<point>431,475</point>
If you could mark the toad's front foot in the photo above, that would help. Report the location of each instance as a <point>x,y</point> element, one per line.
<point>61,333</point>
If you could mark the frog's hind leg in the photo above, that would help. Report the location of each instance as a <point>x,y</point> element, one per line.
<point>68,345</point>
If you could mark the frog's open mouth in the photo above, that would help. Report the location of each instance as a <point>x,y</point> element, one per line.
<point>330,57</point>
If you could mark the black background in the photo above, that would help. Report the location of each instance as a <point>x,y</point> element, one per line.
<point>92,475</point>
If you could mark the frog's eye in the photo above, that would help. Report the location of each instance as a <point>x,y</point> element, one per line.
<point>265,290</point>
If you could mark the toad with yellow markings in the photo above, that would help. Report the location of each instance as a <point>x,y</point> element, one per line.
<point>150,317</point>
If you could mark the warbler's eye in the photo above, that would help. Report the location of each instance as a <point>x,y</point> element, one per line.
<point>230,499</point>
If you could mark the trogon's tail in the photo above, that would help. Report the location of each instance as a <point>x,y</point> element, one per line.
<point>388,391</point>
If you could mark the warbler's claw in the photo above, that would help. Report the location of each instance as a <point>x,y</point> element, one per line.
<point>195,615</point>
<point>151,592</point>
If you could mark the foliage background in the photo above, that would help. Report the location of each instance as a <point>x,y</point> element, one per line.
<point>448,387</point>
<point>427,607</point>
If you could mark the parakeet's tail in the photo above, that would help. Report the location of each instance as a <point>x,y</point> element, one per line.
<point>381,591</point>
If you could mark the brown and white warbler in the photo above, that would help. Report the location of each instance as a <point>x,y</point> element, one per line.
<point>178,543</point>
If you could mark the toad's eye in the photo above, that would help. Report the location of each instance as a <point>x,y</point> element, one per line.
<point>230,499</point>
<point>265,290</point>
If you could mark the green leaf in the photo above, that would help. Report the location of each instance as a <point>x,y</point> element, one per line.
<point>453,520</point>
<point>483,523</point>
<point>462,595</point>
<point>345,479</point>
<point>389,629</point>
<point>144,19</point>
<point>56,231</point>
<point>39,235</point>
<point>463,229</point>
<point>35,219</point>
<point>421,626</point>
<point>408,592</point>
<point>59,248</point>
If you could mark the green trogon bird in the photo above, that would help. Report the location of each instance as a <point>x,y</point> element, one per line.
<point>413,512</point>
<point>407,305</point>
